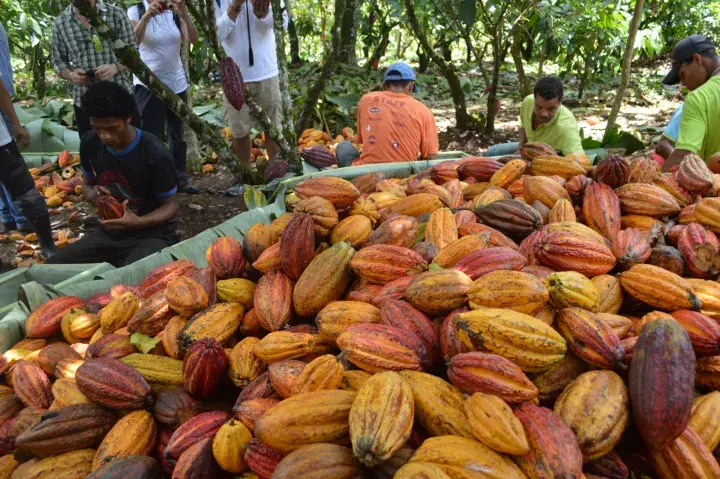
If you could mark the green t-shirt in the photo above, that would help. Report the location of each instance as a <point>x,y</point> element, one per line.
<point>700,123</point>
<point>561,132</point>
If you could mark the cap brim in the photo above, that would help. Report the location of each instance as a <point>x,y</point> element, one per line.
<point>673,77</point>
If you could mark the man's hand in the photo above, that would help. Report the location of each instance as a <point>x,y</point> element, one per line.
<point>22,137</point>
<point>79,77</point>
<point>106,72</point>
<point>234,9</point>
<point>129,221</point>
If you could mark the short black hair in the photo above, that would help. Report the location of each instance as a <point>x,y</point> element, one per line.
<point>398,83</point>
<point>106,99</point>
<point>549,87</point>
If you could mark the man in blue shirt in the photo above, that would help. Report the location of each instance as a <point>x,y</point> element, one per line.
<point>666,145</point>
<point>11,217</point>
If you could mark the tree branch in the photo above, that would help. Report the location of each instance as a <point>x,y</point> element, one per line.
<point>130,58</point>
<point>279,29</point>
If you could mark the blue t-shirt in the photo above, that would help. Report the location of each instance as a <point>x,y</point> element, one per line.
<point>672,130</point>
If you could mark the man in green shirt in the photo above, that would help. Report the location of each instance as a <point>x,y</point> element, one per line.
<point>697,65</point>
<point>545,119</point>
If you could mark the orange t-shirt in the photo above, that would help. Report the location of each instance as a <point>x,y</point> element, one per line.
<point>394,127</point>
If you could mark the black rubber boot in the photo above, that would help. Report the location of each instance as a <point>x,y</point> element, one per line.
<point>44,233</point>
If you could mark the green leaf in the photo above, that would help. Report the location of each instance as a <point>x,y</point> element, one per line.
<point>468,12</point>
<point>144,343</point>
<point>421,234</point>
<point>97,43</point>
<point>434,266</point>
<point>254,198</point>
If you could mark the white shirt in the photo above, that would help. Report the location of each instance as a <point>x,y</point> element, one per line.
<point>234,39</point>
<point>160,49</point>
<point>5,136</point>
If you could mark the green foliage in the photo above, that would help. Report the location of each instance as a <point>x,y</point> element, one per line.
<point>144,343</point>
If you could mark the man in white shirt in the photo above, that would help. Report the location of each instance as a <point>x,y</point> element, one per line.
<point>246,32</point>
<point>14,174</point>
<point>160,32</point>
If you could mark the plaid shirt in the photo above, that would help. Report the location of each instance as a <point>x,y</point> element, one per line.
<point>72,45</point>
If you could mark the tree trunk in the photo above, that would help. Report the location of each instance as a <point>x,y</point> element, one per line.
<point>398,46</point>
<point>38,65</point>
<point>516,52</point>
<point>499,52</point>
<point>194,160</point>
<point>468,45</point>
<point>330,66</point>
<point>423,60</point>
<point>209,29</point>
<point>279,30</point>
<point>626,64</point>
<point>463,119</point>
<point>382,45</point>
<point>348,34</point>
<point>293,36</point>
<point>541,62</point>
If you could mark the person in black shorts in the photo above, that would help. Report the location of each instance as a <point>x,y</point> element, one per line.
<point>137,169</point>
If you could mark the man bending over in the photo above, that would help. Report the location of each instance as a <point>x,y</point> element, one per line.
<point>134,167</point>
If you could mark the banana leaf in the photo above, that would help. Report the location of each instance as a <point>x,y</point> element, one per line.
<point>85,289</point>
<point>12,326</point>
<point>87,274</point>
<point>194,248</point>
<point>7,308</point>
<point>33,294</point>
<point>58,274</point>
<point>133,274</point>
<point>9,284</point>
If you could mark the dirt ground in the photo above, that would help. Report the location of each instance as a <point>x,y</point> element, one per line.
<point>211,207</point>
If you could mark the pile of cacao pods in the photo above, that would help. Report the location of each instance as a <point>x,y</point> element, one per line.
<point>531,318</point>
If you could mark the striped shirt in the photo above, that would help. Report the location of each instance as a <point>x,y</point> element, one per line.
<point>75,46</point>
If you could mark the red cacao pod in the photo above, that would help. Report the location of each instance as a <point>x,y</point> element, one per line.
<point>613,171</point>
<point>297,245</point>
<point>112,384</point>
<point>225,257</point>
<point>232,83</point>
<point>109,208</point>
<point>200,427</point>
<point>45,320</point>
<point>204,367</point>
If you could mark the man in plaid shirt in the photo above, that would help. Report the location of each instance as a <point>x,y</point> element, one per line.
<point>81,56</point>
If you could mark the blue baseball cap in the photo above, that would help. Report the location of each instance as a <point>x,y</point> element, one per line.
<point>400,71</point>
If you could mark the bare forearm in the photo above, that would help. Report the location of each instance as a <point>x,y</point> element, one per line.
<point>523,136</point>
<point>675,158</point>
<point>140,28</point>
<point>7,106</point>
<point>189,31</point>
<point>161,215</point>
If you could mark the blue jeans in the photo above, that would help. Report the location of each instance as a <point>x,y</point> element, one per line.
<point>502,149</point>
<point>8,211</point>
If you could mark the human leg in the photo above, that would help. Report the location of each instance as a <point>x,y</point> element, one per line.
<point>140,249</point>
<point>502,149</point>
<point>152,112</point>
<point>346,153</point>
<point>82,121</point>
<point>15,176</point>
<point>240,124</point>
<point>267,93</point>
<point>177,145</point>
<point>94,247</point>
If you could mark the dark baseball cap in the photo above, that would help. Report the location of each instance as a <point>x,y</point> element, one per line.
<point>401,71</point>
<point>683,51</point>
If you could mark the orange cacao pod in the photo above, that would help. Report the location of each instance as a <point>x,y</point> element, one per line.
<point>506,175</point>
<point>554,450</point>
<point>475,372</point>
<point>414,323</point>
<point>31,384</point>
<point>383,263</point>
<point>324,372</point>
<point>543,189</point>
<point>438,292</point>
<point>659,288</point>
<point>186,296</point>
<point>694,175</point>
<point>257,239</point>
<point>441,228</point>
<point>337,316</point>
<point>378,347</point>
<point>630,247</point>
<point>532,149</point>
<point>686,456</point>
<point>381,417</point>
<point>573,252</point>
<point>551,165</point>
<point>152,316</point>
<point>341,193</point>
<point>704,332</point>
<point>269,260</point>
<point>355,229</point>
<point>601,209</point>
<point>282,345</point>
<point>225,257</point>
<point>132,435</point>
<point>158,278</point>
<point>699,248</point>
<point>643,170</point>
<point>45,320</point>
<point>273,300</point>
<point>323,214</point>
<point>324,280</point>
<point>482,261</point>
<point>647,199</point>
<point>398,231</point>
<point>591,340</point>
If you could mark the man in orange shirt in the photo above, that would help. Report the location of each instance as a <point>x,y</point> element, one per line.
<point>392,126</point>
